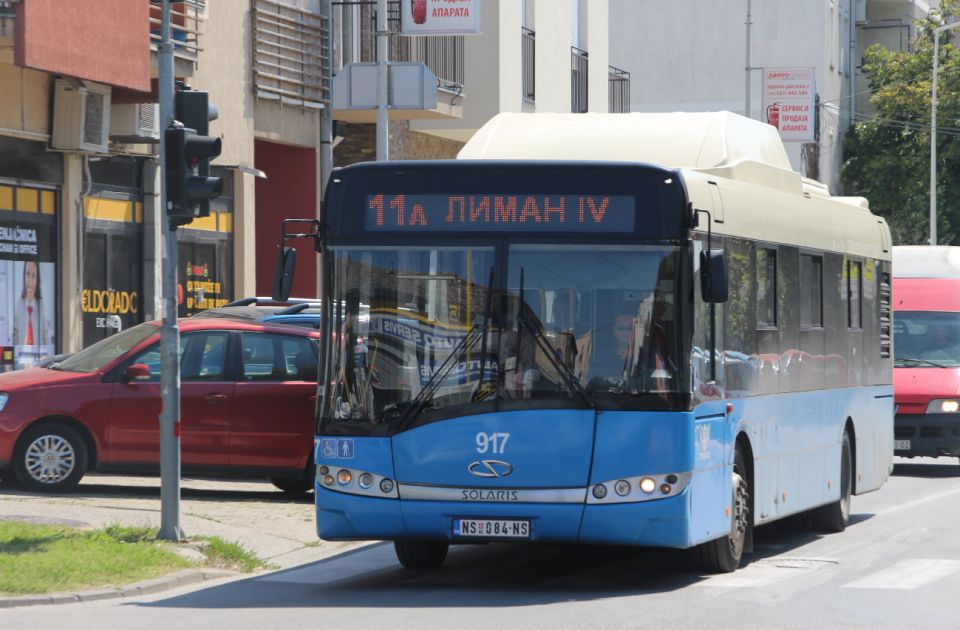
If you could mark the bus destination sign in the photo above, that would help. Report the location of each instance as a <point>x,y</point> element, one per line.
<point>500,213</point>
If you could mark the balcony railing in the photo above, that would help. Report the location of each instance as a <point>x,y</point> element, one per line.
<point>185,20</point>
<point>619,83</point>
<point>578,80</point>
<point>289,54</point>
<point>529,54</point>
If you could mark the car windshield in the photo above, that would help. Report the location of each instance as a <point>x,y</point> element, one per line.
<point>103,352</point>
<point>428,328</point>
<point>926,339</point>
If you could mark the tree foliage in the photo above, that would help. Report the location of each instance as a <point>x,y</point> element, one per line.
<point>887,158</point>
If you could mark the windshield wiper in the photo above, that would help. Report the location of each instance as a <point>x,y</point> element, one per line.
<point>569,378</point>
<point>916,361</point>
<point>433,384</point>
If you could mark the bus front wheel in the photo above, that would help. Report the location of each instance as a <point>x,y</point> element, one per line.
<point>421,554</point>
<point>723,555</point>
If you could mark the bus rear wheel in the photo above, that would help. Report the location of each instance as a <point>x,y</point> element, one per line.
<point>421,554</point>
<point>834,517</point>
<point>723,555</point>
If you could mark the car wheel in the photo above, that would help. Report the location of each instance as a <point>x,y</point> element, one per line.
<point>723,555</point>
<point>50,458</point>
<point>421,554</point>
<point>834,517</point>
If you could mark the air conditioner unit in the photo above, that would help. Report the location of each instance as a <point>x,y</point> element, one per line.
<point>135,122</point>
<point>81,116</point>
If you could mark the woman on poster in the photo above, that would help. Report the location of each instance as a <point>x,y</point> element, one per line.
<point>29,326</point>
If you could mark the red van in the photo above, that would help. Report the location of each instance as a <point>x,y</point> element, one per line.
<point>248,391</point>
<point>926,375</point>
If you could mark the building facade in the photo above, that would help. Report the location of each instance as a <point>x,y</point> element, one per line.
<point>692,56</point>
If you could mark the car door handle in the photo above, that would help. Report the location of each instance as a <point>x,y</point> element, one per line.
<point>216,398</point>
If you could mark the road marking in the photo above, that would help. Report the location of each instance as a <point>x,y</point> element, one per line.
<point>908,574</point>
<point>909,504</point>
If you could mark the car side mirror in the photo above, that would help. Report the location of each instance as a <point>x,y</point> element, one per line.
<point>714,288</point>
<point>283,273</point>
<point>137,373</point>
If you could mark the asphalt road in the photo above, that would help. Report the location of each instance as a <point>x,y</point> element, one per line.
<point>896,566</point>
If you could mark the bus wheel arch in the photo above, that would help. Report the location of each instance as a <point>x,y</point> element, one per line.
<point>724,554</point>
<point>835,516</point>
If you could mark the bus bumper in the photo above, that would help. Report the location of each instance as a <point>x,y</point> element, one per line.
<point>661,523</point>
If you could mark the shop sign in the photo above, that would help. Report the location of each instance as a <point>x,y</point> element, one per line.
<point>789,102</point>
<point>440,17</point>
<point>28,289</point>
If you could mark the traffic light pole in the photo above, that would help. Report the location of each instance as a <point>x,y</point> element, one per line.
<point>169,332</point>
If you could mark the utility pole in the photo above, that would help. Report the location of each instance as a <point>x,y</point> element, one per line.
<point>747,106</point>
<point>383,83</point>
<point>169,332</point>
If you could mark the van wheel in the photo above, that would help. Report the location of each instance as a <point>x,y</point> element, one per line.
<point>421,554</point>
<point>50,458</point>
<point>834,517</point>
<point>722,555</point>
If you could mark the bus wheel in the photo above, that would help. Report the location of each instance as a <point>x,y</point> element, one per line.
<point>835,517</point>
<point>421,554</point>
<point>722,555</point>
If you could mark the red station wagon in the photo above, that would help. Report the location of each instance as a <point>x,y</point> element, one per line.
<point>248,391</point>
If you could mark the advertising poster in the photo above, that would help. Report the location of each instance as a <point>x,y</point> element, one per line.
<point>28,289</point>
<point>789,102</point>
<point>440,17</point>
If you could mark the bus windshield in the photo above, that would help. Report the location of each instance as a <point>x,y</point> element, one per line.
<point>430,328</point>
<point>926,339</point>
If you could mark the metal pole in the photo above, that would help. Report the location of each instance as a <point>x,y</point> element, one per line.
<point>383,85</point>
<point>747,106</point>
<point>169,332</point>
<point>326,116</point>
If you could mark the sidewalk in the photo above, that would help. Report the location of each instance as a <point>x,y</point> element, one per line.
<point>278,528</point>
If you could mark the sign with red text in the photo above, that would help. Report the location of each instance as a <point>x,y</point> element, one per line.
<point>500,213</point>
<point>439,17</point>
<point>789,102</point>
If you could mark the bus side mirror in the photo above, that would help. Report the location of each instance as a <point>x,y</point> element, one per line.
<point>713,276</point>
<point>283,273</point>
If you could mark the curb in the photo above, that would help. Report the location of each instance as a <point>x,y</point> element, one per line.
<point>147,587</point>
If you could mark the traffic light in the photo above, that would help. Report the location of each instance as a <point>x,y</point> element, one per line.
<point>188,153</point>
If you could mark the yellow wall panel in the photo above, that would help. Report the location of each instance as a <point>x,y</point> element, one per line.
<point>28,200</point>
<point>48,202</point>
<point>107,209</point>
<point>6,198</point>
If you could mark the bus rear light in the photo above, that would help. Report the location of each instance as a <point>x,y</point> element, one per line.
<point>344,477</point>
<point>648,485</point>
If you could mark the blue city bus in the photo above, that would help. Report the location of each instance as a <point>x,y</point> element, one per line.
<point>596,352</point>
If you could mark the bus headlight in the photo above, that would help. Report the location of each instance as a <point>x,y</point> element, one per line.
<point>944,405</point>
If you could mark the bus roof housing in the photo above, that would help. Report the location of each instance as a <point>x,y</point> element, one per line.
<point>926,261</point>
<point>735,167</point>
<point>720,143</point>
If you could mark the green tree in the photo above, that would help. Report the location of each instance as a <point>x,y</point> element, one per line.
<point>887,158</point>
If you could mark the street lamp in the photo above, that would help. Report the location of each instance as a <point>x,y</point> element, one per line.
<point>933,129</point>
